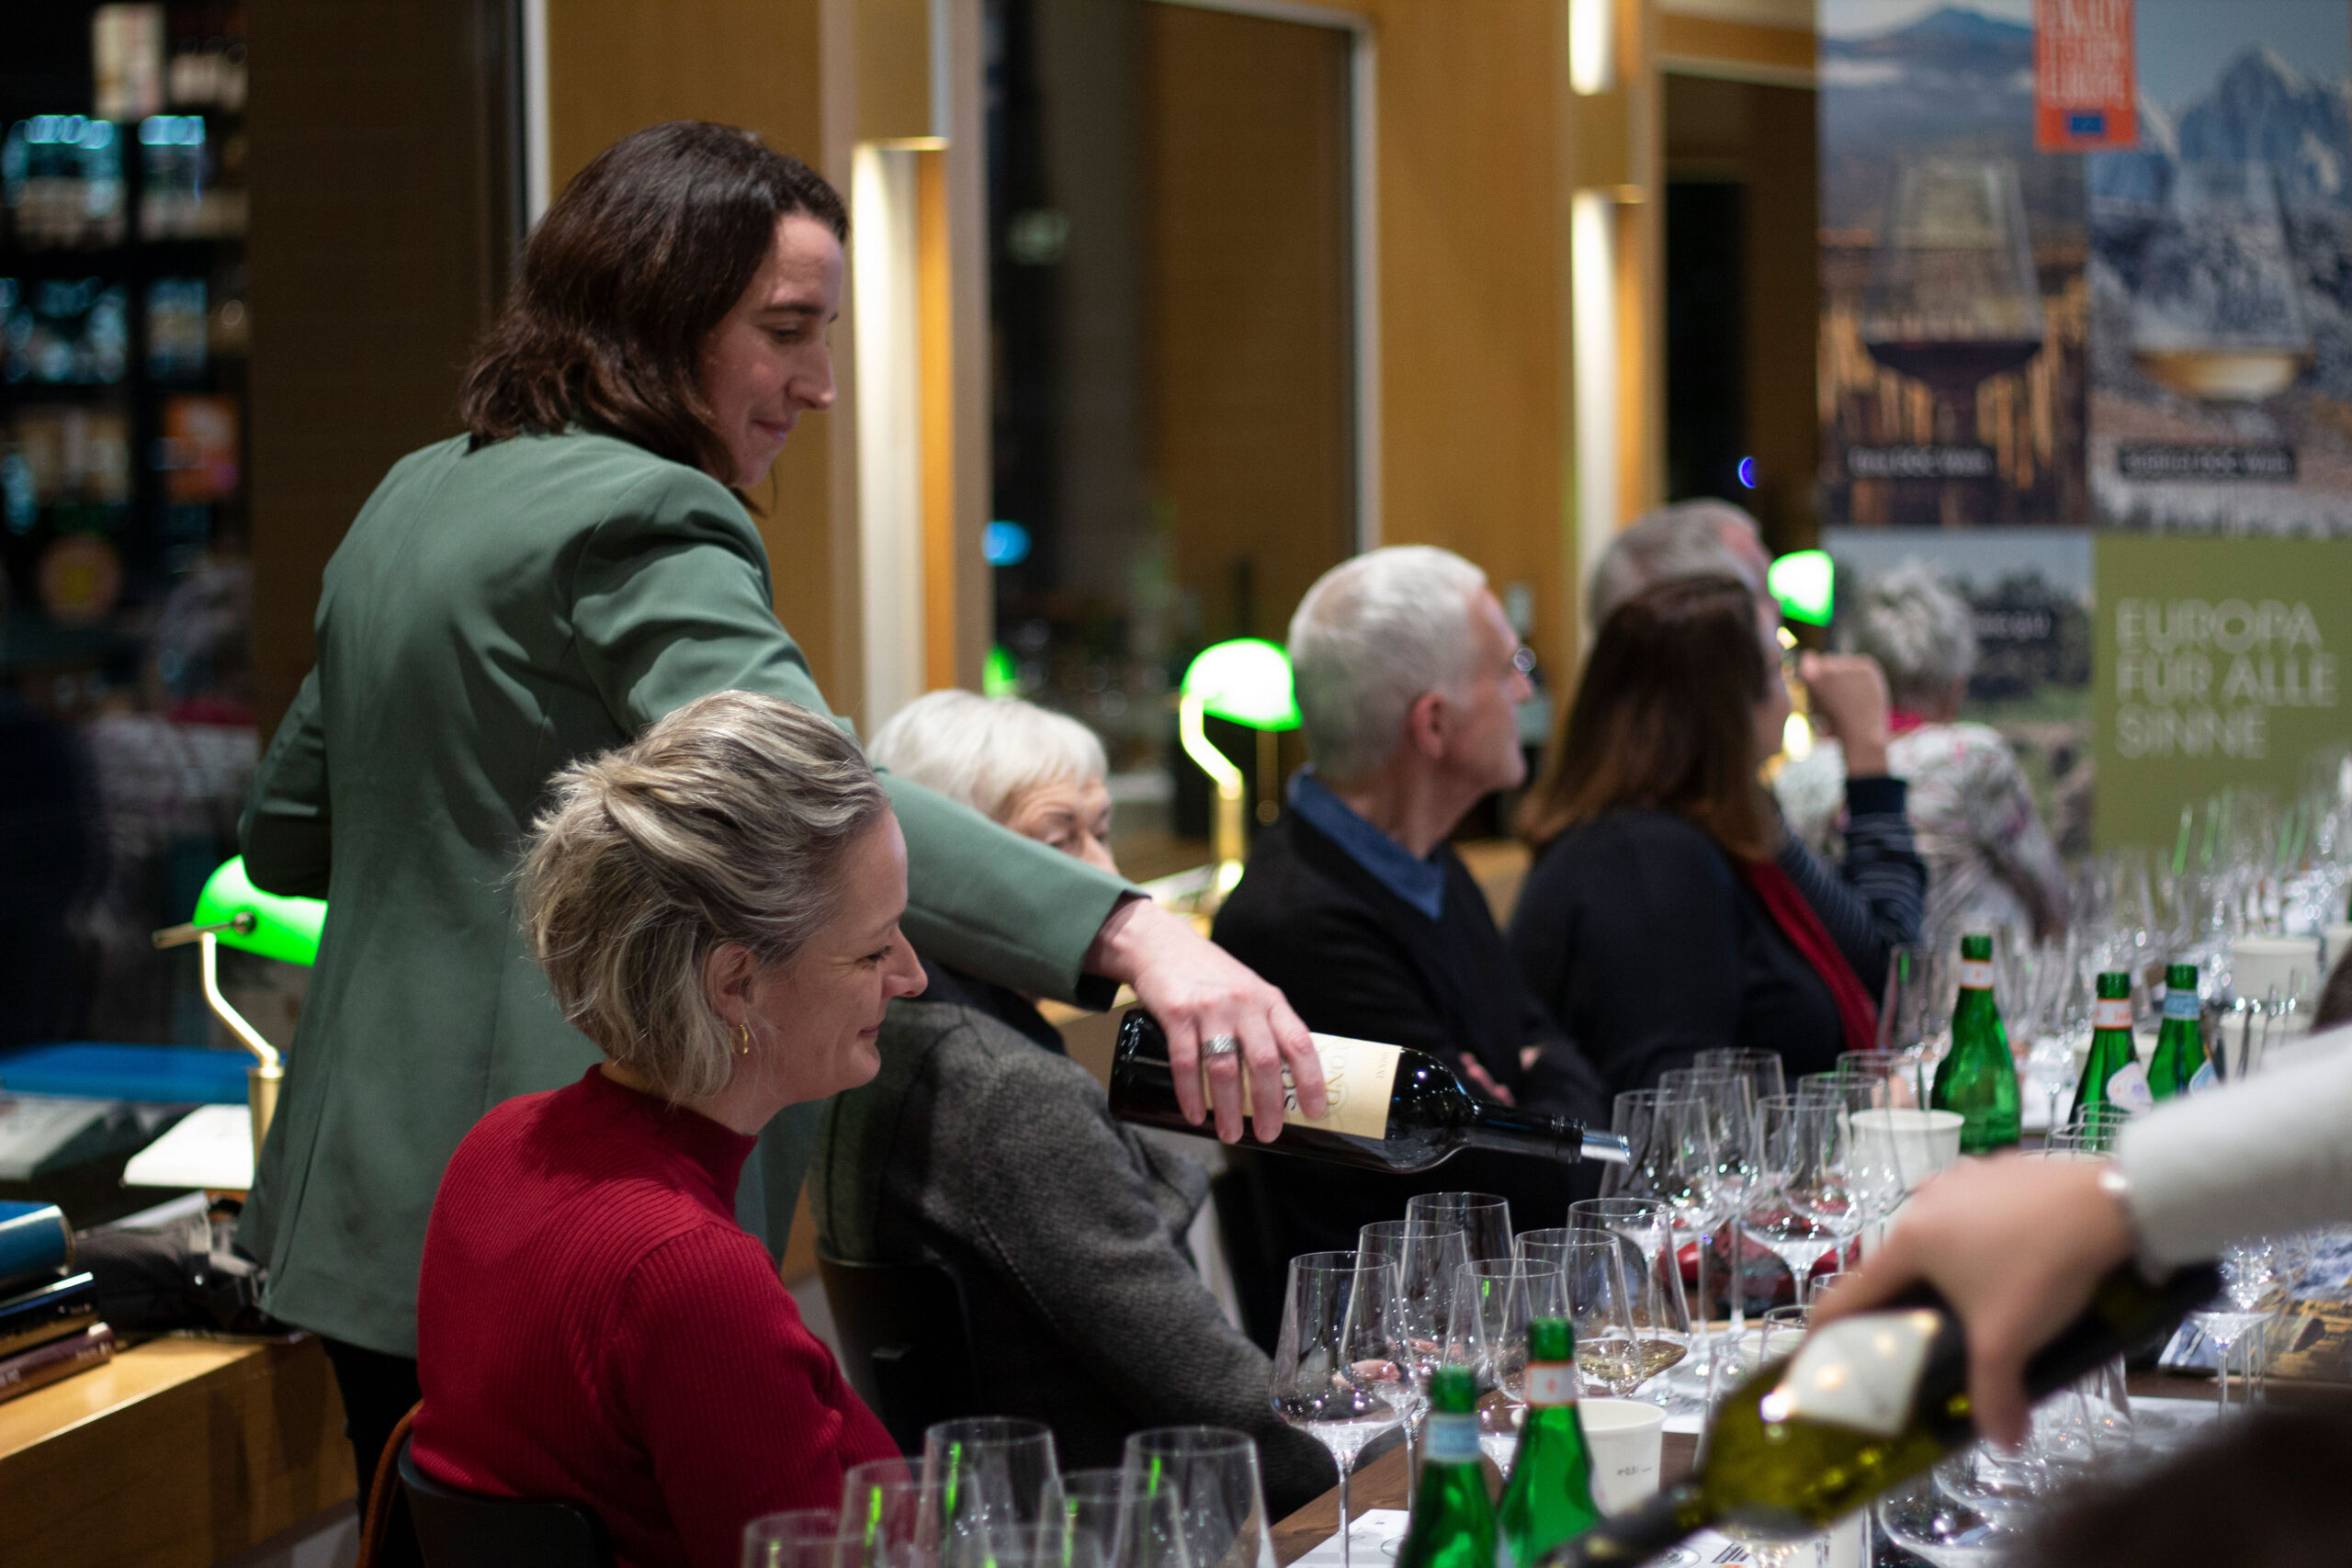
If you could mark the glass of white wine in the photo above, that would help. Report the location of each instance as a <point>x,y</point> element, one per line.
<point>1334,1378</point>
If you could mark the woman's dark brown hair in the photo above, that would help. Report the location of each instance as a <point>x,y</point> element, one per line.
<point>1665,718</point>
<point>645,252</point>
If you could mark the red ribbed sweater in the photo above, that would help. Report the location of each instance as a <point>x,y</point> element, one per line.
<point>592,1323</point>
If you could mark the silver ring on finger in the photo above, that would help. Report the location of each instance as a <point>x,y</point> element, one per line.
<point>1219,1045</point>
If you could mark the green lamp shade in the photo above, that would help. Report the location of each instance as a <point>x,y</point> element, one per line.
<point>1246,680</point>
<point>284,929</point>
<point>1805,581</point>
<point>1000,673</point>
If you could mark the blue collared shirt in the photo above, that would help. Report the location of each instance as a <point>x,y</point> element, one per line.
<point>1420,882</point>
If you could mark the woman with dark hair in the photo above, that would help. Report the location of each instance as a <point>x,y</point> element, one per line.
<point>1659,919</point>
<point>544,587</point>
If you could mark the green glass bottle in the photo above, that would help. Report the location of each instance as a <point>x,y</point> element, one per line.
<point>2112,1074</point>
<point>1453,1520</point>
<point>1549,1499</point>
<point>2177,1065</point>
<point>1978,1077</point>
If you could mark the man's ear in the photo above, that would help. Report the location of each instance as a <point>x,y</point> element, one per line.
<point>1425,724</point>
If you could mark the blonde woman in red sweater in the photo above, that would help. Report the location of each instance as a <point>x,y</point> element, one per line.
<point>717,907</point>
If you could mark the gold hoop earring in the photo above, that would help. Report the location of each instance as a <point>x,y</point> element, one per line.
<point>743,1040</point>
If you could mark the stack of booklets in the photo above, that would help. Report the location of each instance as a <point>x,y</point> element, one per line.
<point>49,1311</point>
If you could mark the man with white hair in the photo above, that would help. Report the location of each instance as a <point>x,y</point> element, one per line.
<point>1874,901</point>
<point>1408,690</point>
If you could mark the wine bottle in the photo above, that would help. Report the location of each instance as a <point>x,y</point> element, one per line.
<point>1391,1108</point>
<point>1549,1500</point>
<point>2112,1076</point>
<point>1978,1077</point>
<point>2178,1064</point>
<point>1452,1523</point>
<point>1866,1403</point>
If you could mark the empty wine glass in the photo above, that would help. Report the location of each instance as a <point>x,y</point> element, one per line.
<point>1099,1522</point>
<point>888,1516</point>
<point>1713,1116</point>
<point>1483,1219</point>
<point>1765,1072</point>
<point>1427,1261</point>
<point>987,1475</point>
<point>1800,1206</point>
<point>1333,1374</point>
<point>1492,1302</point>
<point>799,1537</point>
<point>1211,1474</point>
<point>2255,1282</point>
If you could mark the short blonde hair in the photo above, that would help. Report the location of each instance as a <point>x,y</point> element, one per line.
<point>985,751</point>
<point>725,822</point>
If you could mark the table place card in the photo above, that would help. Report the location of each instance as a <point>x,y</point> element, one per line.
<point>1373,1542</point>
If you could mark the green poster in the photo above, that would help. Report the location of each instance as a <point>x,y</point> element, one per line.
<point>2218,663</point>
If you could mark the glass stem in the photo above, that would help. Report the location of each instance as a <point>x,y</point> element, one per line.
<point>1739,1278</point>
<point>1706,1300</point>
<point>1344,1467</point>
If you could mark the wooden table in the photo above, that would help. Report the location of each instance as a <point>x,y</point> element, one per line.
<point>1381,1483</point>
<point>176,1454</point>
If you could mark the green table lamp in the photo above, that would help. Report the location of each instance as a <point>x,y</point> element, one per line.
<point>231,910</point>
<point>1246,681</point>
<point>1805,583</point>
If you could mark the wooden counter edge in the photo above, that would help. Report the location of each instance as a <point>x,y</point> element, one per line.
<point>176,1452</point>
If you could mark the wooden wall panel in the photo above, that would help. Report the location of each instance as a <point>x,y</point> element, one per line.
<point>1475,390</point>
<point>616,66</point>
<point>381,237</point>
<point>1247,251</point>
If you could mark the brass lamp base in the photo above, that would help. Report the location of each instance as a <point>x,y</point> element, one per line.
<point>262,1082</point>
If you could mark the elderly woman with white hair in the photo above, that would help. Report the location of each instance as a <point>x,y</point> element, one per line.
<point>979,1144</point>
<point>717,907</point>
<point>1990,861</point>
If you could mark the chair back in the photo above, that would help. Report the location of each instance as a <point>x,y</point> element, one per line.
<point>906,1340</point>
<point>467,1530</point>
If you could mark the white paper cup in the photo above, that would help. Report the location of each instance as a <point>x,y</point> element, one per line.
<point>1626,1436</point>
<point>1922,1142</point>
<point>2260,962</point>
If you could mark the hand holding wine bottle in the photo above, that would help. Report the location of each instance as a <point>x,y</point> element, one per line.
<point>2015,1245</point>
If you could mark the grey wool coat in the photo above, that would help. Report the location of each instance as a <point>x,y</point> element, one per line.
<point>979,1144</point>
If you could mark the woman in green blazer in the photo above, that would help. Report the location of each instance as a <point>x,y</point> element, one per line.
<point>541,589</point>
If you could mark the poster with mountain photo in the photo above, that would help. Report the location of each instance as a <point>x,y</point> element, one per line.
<point>1953,305</point>
<point>2221,277</point>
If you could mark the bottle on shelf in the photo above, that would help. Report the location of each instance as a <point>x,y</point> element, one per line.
<point>1549,1500</point>
<point>1452,1523</point>
<point>2178,1064</point>
<point>1866,1403</point>
<point>1391,1108</point>
<point>1978,1077</point>
<point>2112,1076</point>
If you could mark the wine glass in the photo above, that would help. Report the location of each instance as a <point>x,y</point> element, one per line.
<point>1915,1018</point>
<point>1764,1070</point>
<point>1333,1376</point>
<point>1609,1353</point>
<point>1427,1261</point>
<point>987,1475</point>
<point>1800,1207</point>
<point>798,1538</point>
<point>1713,1116</point>
<point>1492,1302</point>
<point>1483,1219</point>
<point>1660,1317</point>
<point>2255,1282</point>
<point>888,1515</point>
<point>1211,1472</point>
<point>1101,1523</point>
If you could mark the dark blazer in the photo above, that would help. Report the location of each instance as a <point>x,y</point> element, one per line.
<point>1638,930</point>
<point>979,1144</point>
<point>1355,959</point>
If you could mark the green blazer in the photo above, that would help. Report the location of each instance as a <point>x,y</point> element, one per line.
<point>489,617</point>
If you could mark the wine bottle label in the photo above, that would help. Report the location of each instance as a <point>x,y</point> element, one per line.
<point>2128,1087</point>
<point>1859,1372</point>
<point>1452,1440</point>
<point>1359,1076</point>
<point>2180,1004</point>
<point>2112,1012</point>
<point>1551,1382</point>
<point>1976,974</point>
